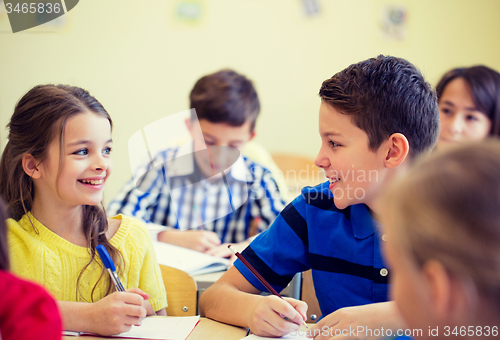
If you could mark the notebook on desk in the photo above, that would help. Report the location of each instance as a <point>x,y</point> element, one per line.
<point>190,261</point>
<point>162,328</point>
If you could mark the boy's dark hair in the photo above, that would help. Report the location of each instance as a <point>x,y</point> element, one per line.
<point>386,95</point>
<point>4,249</point>
<point>484,85</point>
<point>225,97</point>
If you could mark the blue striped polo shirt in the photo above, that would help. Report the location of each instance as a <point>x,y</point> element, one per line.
<point>340,246</point>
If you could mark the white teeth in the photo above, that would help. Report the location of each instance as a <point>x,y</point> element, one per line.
<point>92,181</point>
<point>333,180</point>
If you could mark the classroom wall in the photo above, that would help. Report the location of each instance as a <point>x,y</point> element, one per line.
<point>141,62</point>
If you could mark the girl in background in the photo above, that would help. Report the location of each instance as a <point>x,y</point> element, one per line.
<point>442,225</point>
<point>469,105</point>
<point>52,176</point>
<point>27,311</point>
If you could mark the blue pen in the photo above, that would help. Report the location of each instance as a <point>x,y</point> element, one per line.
<point>110,266</point>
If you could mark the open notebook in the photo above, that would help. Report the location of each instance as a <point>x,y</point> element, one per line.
<point>163,328</point>
<point>190,261</point>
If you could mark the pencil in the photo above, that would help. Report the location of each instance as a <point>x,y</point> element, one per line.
<point>260,278</point>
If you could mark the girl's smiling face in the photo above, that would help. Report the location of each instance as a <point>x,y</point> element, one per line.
<point>78,177</point>
<point>461,121</point>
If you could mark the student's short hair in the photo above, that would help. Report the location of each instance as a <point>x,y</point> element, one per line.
<point>386,95</point>
<point>484,86</point>
<point>225,97</point>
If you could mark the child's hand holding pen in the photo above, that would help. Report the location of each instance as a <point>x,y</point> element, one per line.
<point>125,307</point>
<point>269,317</point>
<point>117,312</point>
<point>274,315</point>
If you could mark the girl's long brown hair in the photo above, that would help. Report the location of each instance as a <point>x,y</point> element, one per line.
<point>4,250</point>
<point>39,116</point>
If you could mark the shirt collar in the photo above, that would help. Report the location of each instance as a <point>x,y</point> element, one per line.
<point>363,224</point>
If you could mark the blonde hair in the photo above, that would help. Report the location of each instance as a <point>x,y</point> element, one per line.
<point>447,208</point>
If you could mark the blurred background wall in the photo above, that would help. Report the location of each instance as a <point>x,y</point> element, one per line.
<point>141,58</point>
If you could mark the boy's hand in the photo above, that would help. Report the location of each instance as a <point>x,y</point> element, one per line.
<point>268,317</point>
<point>199,240</point>
<point>346,321</point>
<point>117,312</point>
<point>224,251</point>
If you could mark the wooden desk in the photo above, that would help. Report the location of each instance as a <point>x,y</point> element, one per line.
<point>205,330</point>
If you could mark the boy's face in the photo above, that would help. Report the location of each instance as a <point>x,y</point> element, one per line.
<point>354,170</point>
<point>216,135</point>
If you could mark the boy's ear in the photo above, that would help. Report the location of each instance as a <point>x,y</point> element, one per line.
<point>189,126</point>
<point>398,148</point>
<point>252,136</point>
<point>30,166</point>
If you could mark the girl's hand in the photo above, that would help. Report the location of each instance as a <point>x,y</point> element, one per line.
<point>117,312</point>
<point>145,303</point>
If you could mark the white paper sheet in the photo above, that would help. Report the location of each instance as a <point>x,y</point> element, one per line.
<point>161,328</point>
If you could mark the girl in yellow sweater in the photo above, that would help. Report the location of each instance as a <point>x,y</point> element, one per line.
<point>52,176</point>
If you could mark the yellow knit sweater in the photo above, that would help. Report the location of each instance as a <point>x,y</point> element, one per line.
<point>55,263</point>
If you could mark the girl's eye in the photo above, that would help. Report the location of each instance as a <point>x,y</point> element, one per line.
<point>106,151</point>
<point>81,152</point>
<point>446,111</point>
<point>472,118</point>
<point>333,144</point>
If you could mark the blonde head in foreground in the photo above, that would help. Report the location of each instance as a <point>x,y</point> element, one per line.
<point>442,221</point>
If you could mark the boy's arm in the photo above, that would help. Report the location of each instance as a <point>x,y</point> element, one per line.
<point>232,299</point>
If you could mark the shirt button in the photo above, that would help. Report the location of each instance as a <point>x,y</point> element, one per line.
<point>384,272</point>
<point>384,237</point>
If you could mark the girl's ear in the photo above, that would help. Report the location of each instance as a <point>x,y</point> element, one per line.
<point>30,166</point>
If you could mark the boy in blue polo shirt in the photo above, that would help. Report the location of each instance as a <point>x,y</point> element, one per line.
<point>375,116</point>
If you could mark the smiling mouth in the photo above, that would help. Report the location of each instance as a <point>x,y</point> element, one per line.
<point>333,180</point>
<point>91,181</point>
